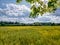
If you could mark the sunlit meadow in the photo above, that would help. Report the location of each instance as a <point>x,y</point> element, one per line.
<point>30,35</point>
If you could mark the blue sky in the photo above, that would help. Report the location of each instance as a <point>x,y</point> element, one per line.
<point>11,11</point>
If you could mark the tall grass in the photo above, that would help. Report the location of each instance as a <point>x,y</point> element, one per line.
<point>30,35</point>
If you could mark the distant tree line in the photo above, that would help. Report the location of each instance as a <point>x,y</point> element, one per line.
<point>4,23</point>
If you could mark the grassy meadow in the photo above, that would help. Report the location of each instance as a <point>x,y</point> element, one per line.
<point>29,35</point>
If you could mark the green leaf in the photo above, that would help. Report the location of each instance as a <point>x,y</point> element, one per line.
<point>18,1</point>
<point>42,8</point>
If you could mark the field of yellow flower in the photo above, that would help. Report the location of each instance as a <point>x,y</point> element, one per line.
<point>29,35</point>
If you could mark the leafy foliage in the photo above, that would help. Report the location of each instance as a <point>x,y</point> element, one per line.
<point>18,1</point>
<point>44,6</point>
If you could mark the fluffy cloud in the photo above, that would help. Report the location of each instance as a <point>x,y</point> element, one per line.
<point>5,18</point>
<point>15,10</point>
<point>20,13</point>
<point>57,12</point>
<point>52,19</point>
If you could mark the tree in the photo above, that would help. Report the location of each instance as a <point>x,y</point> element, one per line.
<point>43,6</point>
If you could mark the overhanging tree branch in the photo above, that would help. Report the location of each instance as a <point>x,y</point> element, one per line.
<point>44,6</point>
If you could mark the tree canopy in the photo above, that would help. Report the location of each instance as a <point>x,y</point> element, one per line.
<point>43,6</point>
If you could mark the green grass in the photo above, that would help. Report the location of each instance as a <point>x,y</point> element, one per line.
<point>30,35</point>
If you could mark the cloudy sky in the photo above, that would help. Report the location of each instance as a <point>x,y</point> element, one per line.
<point>11,11</point>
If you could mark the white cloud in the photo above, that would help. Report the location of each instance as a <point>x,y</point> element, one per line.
<point>49,18</point>
<point>15,10</point>
<point>5,18</point>
<point>31,20</point>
